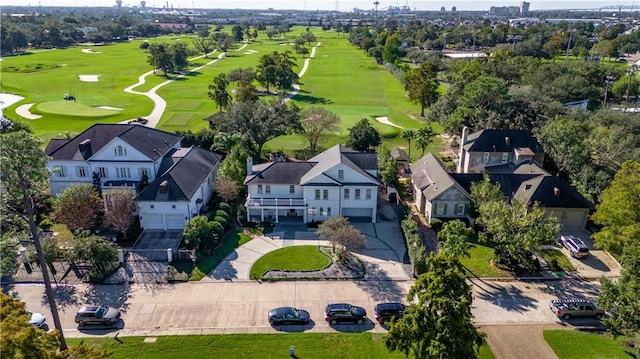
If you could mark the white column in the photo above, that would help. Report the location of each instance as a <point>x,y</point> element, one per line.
<point>120,255</point>
<point>169,255</point>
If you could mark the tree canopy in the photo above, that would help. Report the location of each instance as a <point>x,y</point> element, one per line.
<point>343,236</point>
<point>363,136</point>
<point>422,85</point>
<point>78,207</point>
<point>439,325</point>
<point>317,122</point>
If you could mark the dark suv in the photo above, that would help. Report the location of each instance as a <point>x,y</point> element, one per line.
<point>386,312</point>
<point>343,312</point>
<point>96,314</point>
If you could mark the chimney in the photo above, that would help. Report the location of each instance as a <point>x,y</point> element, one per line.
<point>556,191</point>
<point>249,165</point>
<point>163,186</point>
<point>85,148</point>
<point>461,154</point>
<point>507,140</point>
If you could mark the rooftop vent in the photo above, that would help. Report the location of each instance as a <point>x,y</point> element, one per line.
<point>163,186</point>
<point>507,140</point>
<point>556,191</point>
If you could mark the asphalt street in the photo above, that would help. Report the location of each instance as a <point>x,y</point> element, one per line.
<point>241,307</point>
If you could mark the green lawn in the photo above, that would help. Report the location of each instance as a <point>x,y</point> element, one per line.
<point>308,346</point>
<point>479,260</point>
<point>293,258</point>
<point>573,344</point>
<point>341,78</point>
<point>230,242</point>
<point>550,254</point>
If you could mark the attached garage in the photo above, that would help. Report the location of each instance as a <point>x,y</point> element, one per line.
<point>358,214</point>
<point>175,221</point>
<point>575,218</point>
<point>152,221</point>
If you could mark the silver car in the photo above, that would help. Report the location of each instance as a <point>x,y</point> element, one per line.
<point>575,307</point>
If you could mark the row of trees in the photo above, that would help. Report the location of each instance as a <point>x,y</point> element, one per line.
<point>168,57</point>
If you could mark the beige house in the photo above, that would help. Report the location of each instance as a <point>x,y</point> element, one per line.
<point>487,148</point>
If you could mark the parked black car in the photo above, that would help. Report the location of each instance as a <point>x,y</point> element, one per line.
<point>343,312</point>
<point>288,315</point>
<point>96,314</point>
<point>386,312</point>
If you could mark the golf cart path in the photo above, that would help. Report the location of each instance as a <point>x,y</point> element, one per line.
<point>159,104</point>
<point>305,66</point>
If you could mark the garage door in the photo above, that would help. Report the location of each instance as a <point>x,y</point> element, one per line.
<point>152,221</point>
<point>175,221</point>
<point>357,213</point>
<point>574,219</point>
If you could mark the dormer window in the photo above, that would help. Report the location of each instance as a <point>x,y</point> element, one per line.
<point>485,157</point>
<point>120,151</point>
<point>340,174</point>
<point>505,157</point>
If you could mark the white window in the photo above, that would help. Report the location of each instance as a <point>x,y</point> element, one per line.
<point>328,211</point>
<point>340,174</point>
<point>317,196</point>
<point>267,188</point>
<point>143,172</point>
<point>357,195</point>
<point>60,171</point>
<point>123,172</point>
<point>81,171</point>
<point>460,209</point>
<point>259,189</point>
<point>485,157</point>
<point>441,208</point>
<point>325,194</point>
<point>120,151</point>
<point>505,157</point>
<point>292,188</point>
<point>103,172</point>
<point>346,193</point>
<point>367,193</point>
<point>322,213</point>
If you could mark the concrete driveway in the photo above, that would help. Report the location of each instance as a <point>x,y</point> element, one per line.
<point>599,263</point>
<point>384,256</point>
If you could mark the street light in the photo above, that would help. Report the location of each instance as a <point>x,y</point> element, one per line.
<point>607,82</point>
<point>444,45</point>
<point>571,31</point>
<point>473,47</point>
<point>630,72</point>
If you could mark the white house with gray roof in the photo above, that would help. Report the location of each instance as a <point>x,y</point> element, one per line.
<point>338,181</point>
<point>124,155</point>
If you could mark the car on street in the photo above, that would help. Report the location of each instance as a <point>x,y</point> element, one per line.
<point>343,312</point>
<point>37,319</point>
<point>288,315</point>
<point>387,312</point>
<point>568,308</point>
<point>97,314</point>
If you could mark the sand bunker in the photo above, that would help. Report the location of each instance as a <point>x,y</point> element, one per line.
<point>89,51</point>
<point>251,52</point>
<point>24,112</point>
<point>8,99</point>
<point>110,108</point>
<point>385,120</point>
<point>89,78</point>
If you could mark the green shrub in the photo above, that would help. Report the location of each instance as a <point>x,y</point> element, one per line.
<point>223,214</point>
<point>242,215</point>
<point>174,275</point>
<point>223,221</point>
<point>436,224</point>
<point>225,207</point>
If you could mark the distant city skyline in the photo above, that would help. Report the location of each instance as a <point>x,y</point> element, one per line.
<point>340,5</point>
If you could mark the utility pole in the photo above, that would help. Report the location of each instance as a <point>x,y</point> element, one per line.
<point>569,44</point>
<point>608,80</point>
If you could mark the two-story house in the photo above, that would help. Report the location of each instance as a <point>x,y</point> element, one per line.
<point>124,155</point>
<point>487,148</point>
<point>444,195</point>
<point>338,181</point>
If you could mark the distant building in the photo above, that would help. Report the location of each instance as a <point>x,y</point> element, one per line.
<point>524,8</point>
<point>504,10</point>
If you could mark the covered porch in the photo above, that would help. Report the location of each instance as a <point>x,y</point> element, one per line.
<point>276,209</point>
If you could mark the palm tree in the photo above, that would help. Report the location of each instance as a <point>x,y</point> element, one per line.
<point>424,137</point>
<point>408,135</point>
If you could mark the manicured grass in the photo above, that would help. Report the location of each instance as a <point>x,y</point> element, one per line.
<point>573,344</point>
<point>479,260</point>
<point>293,258</point>
<point>228,346</point>
<point>230,242</point>
<point>563,261</point>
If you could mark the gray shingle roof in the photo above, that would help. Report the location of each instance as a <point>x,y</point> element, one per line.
<point>190,167</point>
<point>149,141</point>
<point>279,173</point>
<point>551,191</point>
<point>399,154</point>
<point>429,175</point>
<point>495,141</point>
<point>357,161</point>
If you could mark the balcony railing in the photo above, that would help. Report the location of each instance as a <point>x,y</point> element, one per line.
<point>276,202</point>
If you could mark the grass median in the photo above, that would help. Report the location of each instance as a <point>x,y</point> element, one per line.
<point>229,346</point>
<point>573,344</point>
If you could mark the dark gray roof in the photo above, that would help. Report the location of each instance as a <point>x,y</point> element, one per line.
<point>149,141</point>
<point>399,154</point>
<point>521,168</point>
<point>190,168</point>
<point>496,141</point>
<point>279,173</point>
<point>551,191</point>
<point>360,162</point>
